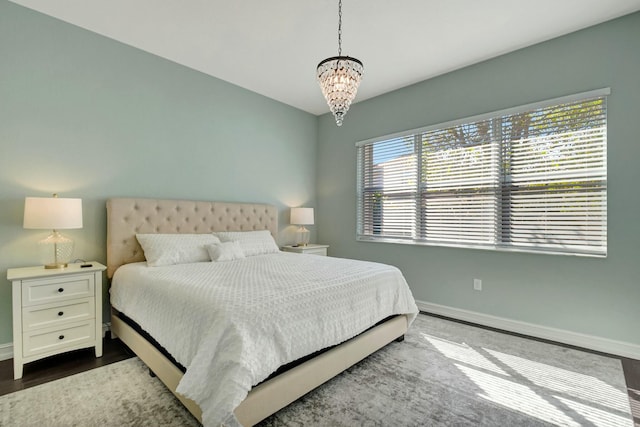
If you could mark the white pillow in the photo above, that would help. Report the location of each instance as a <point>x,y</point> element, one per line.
<point>251,242</point>
<point>169,249</point>
<point>226,251</point>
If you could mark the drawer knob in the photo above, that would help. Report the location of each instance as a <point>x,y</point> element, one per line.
<point>60,313</point>
<point>61,337</point>
<point>60,290</point>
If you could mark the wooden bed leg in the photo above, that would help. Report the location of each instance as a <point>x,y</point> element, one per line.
<point>400,338</point>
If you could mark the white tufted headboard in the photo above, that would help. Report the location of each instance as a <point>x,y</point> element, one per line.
<point>126,217</point>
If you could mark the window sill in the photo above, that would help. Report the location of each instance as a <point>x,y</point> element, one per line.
<point>480,247</point>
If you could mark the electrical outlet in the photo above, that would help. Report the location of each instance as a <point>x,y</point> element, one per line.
<point>477,284</point>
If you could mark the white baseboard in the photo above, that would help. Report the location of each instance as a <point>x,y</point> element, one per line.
<point>6,351</point>
<point>605,345</point>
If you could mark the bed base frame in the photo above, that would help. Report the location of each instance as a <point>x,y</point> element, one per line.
<point>128,216</point>
<point>276,393</point>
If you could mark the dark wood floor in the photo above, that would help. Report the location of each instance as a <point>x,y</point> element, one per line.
<point>631,369</point>
<point>63,365</point>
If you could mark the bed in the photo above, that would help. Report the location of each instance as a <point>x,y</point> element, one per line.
<point>258,320</point>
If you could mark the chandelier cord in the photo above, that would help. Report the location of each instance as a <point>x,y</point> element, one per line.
<point>340,28</point>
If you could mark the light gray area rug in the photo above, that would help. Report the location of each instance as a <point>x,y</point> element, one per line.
<point>120,394</point>
<point>443,374</point>
<point>449,374</point>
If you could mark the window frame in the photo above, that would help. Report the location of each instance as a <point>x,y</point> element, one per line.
<point>498,245</point>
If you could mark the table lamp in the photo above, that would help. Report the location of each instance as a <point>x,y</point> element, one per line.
<point>53,213</point>
<point>302,217</point>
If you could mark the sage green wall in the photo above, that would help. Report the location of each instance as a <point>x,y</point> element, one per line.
<point>598,297</point>
<point>85,116</point>
<point>89,117</point>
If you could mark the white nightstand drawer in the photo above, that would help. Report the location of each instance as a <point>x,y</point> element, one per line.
<point>311,248</point>
<point>40,291</point>
<point>316,251</point>
<point>51,340</point>
<point>48,315</point>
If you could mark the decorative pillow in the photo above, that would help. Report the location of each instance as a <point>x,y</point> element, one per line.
<point>251,242</point>
<point>169,249</point>
<point>226,251</point>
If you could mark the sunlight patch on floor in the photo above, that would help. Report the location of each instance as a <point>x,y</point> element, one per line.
<point>463,353</point>
<point>596,416</point>
<point>516,396</point>
<point>546,392</point>
<point>569,383</point>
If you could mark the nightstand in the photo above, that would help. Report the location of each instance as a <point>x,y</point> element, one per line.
<point>55,311</point>
<point>311,248</point>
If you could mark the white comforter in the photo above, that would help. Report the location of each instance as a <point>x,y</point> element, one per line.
<point>232,324</point>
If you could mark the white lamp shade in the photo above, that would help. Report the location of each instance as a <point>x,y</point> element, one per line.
<point>302,216</point>
<point>52,213</point>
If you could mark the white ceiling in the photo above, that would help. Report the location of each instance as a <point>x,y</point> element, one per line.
<point>272,47</point>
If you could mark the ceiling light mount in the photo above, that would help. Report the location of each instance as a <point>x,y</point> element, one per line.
<point>339,78</point>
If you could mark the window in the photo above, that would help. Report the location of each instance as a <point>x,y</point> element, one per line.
<point>530,178</point>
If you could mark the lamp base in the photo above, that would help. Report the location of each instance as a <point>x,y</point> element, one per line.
<point>302,236</point>
<point>56,250</point>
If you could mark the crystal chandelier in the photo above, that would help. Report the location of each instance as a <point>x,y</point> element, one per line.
<point>339,78</point>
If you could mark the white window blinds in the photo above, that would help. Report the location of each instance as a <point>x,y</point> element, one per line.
<point>529,178</point>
